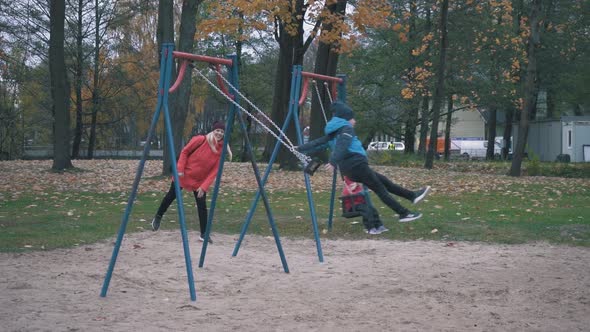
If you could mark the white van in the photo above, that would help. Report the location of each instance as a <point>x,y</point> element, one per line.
<point>477,149</point>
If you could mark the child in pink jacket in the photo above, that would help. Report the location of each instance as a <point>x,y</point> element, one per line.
<point>352,199</point>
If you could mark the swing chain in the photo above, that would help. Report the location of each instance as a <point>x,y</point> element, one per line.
<point>317,91</point>
<point>304,159</point>
<point>327,87</point>
<point>255,107</point>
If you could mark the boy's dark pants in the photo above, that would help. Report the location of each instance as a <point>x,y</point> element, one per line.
<point>381,186</point>
<point>370,215</point>
<point>201,206</point>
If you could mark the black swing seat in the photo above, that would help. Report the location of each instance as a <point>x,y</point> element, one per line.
<point>352,213</point>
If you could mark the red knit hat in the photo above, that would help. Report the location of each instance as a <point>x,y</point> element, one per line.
<point>218,125</point>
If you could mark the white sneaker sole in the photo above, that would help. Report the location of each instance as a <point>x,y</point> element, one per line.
<point>411,219</point>
<point>421,197</point>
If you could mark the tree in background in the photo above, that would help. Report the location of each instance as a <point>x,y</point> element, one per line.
<point>285,21</point>
<point>439,89</point>
<point>179,101</point>
<point>534,39</point>
<point>59,87</point>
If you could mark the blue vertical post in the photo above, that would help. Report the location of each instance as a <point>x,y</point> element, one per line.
<point>233,77</point>
<point>292,114</point>
<point>314,219</point>
<point>163,86</point>
<point>341,88</point>
<point>332,198</point>
<point>265,177</point>
<point>271,221</point>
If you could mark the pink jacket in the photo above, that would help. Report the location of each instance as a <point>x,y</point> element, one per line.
<point>348,190</point>
<point>199,167</point>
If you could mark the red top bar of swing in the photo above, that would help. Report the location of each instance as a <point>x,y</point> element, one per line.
<point>204,58</point>
<point>308,75</point>
<point>321,77</point>
<point>188,56</point>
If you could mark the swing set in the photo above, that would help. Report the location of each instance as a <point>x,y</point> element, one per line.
<point>233,95</point>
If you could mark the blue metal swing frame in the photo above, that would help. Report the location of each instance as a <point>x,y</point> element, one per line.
<point>164,88</point>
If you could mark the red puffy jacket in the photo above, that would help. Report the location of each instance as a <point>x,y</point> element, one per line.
<point>199,163</point>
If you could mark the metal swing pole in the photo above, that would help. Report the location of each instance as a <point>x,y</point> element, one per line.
<point>271,221</point>
<point>295,106</point>
<point>273,157</point>
<point>233,72</point>
<point>163,87</point>
<point>342,98</point>
<point>233,80</point>
<point>295,81</point>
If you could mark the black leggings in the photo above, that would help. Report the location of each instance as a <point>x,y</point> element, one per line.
<point>201,206</point>
<point>381,185</point>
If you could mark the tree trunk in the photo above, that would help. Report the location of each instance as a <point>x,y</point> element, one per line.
<point>78,87</point>
<point>424,120</point>
<point>59,87</point>
<point>179,100</point>
<point>507,137</point>
<point>165,28</point>
<point>95,83</point>
<point>448,127</point>
<point>413,105</point>
<point>291,52</point>
<point>510,113</point>
<point>529,88</point>
<point>490,152</point>
<point>326,63</point>
<point>166,35</point>
<point>439,90</point>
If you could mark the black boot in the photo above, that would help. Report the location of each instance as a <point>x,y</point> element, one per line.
<point>156,222</point>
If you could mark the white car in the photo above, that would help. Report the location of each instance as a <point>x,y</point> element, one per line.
<point>382,146</point>
<point>477,149</point>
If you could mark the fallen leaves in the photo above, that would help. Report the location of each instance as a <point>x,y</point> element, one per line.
<point>117,176</point>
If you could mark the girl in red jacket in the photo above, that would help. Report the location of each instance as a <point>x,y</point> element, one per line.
<point>197,168</point>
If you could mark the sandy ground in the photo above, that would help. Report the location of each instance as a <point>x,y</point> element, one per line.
<point>365,285</point>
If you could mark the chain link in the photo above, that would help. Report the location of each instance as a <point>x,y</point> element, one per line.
<point>327,87</point>
<point>254,106</point>
<point>317,91</point>
<point>304,159</point>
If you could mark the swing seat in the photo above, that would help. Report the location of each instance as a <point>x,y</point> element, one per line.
<point>352,213</point>
<point>312,166</point>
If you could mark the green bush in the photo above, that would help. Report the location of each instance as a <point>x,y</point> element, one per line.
<point>533,167</point>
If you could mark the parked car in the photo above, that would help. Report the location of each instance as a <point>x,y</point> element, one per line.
<point>477,149</point>
<point>382,146</point>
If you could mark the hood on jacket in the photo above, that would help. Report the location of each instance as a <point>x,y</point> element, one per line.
<point>334,124</point>
<point>342,110</point>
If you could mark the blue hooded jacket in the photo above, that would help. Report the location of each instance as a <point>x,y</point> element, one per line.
<point>345,142</point>
<point>347,150</point>
<point>341,139</point>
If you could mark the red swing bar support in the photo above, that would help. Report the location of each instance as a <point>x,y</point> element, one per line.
<point>186,57</point>
<point>307,75</point>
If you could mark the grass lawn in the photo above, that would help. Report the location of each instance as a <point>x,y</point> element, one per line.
<point>517,214</point>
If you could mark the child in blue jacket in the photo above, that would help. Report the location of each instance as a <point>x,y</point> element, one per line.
<point>349,155</point>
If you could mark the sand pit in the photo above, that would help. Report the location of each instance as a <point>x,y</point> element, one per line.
<point>366,285</point>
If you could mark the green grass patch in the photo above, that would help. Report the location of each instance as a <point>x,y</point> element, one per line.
<point>519,214</point>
